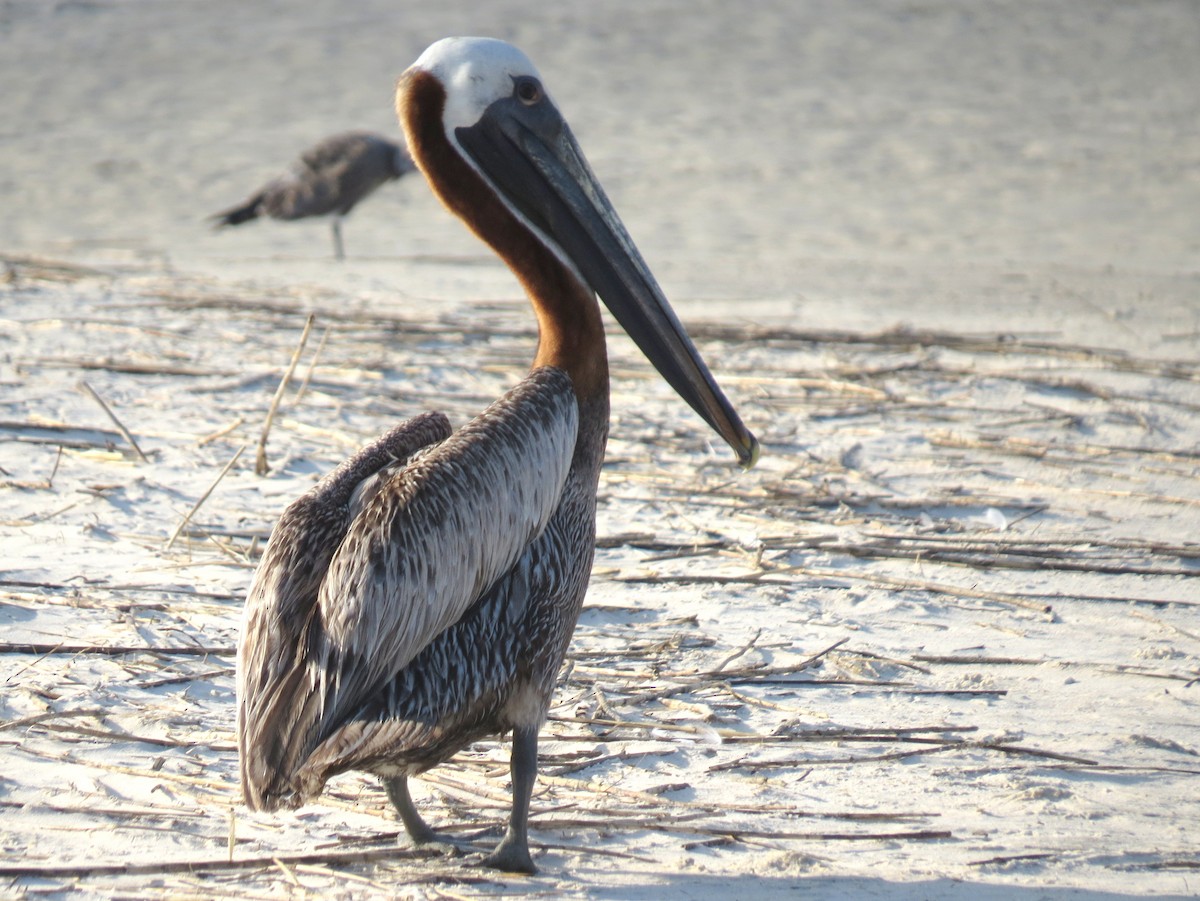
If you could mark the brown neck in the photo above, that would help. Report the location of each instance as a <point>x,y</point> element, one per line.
<point>570,331</point>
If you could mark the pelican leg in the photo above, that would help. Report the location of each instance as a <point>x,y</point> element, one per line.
<point>418,830</point>
<point>512,854</point>
<point>338,251</point>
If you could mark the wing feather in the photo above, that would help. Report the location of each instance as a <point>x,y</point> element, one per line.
<point>434,539</point>
<point>425,542</point>
<point>286,584</point>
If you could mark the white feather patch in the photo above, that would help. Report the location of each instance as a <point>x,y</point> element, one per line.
<point>476,72</point>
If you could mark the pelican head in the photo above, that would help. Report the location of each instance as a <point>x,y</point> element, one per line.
<point>484,101</point>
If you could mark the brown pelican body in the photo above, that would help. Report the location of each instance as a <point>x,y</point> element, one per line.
<point>423,594</point>
<point>329,179</point>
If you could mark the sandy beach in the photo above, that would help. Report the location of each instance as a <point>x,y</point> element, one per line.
<point>942,643</point>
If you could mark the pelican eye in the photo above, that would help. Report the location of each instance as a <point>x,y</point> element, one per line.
<point>527,90</point>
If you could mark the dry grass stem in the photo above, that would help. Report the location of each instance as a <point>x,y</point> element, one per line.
<point>260,462</point>
<point>125,433</point>
<point>200,501</point>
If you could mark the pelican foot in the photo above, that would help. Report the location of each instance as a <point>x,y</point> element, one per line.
<point>419,836</point>
<point>511,856</point>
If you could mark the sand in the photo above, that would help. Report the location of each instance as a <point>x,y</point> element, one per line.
<point>943,642</point>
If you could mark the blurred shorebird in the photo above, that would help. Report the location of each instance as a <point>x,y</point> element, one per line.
<point>422,595</point>
<point>329,179</point>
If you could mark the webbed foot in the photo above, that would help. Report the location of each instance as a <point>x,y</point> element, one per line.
<point>511,856</point>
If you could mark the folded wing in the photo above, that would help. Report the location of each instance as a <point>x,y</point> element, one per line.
<point>422,544</point>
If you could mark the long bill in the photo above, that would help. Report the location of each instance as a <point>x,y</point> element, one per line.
<point>532,158</point>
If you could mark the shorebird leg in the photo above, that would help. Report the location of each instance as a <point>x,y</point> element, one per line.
<point>338,252</point>
<point>418,830</point>
<point>512,854</point>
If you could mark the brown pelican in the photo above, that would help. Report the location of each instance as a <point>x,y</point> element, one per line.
<point>422,596</point>
<point>329,179</point>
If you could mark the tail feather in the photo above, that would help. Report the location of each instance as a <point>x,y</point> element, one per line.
<point>243,212</point>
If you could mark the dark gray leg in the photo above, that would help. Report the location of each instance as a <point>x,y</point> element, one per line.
<point>417,829</point>
<point>512,854</point>
<point>338,252</point>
